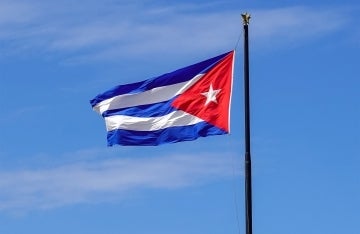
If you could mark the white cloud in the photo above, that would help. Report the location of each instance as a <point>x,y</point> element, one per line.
<point>20,112</point>
<point>12,12</point>
<point>296,24</point>
<point>100,181</point>
<point>111,30</point>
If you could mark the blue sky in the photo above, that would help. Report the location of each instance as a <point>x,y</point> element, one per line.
<point>58,176</point>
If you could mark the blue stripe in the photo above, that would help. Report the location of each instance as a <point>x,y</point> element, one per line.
<point>180,75</point>
<point>168,135</point>
<point>150,110</point>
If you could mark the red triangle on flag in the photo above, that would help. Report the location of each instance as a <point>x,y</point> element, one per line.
<point>209,98</point>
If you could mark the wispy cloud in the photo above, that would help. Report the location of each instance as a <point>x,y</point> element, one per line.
<point>21,112</point>
<point>100,181</point>
<point>294,25</point>
<point>13,12</point>
<point>112,30</point>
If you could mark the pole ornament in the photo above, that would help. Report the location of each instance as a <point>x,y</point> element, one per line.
<point>246,18</point>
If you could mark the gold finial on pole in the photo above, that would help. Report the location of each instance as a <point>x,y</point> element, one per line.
<point>246,18</point>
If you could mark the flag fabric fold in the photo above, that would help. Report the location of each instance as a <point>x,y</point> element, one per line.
<point>182,105</point>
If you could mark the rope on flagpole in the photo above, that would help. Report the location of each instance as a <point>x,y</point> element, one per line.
<point>238,40</point>
<point>241,33</point>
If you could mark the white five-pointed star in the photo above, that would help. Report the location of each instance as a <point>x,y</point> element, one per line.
<point>211,95</point>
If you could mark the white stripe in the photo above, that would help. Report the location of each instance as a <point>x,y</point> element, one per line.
<point>176,118</point>
<point>155,95</point>
<point>231,88</point>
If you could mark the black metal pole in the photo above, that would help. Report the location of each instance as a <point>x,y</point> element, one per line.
<point>248,189</point>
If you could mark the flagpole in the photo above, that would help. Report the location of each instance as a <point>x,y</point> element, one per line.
<point>248,189</point>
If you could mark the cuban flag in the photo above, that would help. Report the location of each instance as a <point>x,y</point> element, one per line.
<point>182,105</point>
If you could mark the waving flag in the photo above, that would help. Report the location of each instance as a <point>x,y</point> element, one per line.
<point>182,105</point>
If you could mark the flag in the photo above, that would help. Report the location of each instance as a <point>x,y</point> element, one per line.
<point>182,105</point>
